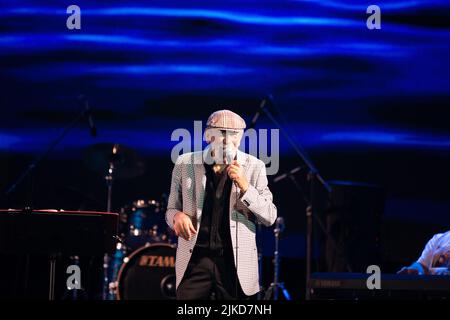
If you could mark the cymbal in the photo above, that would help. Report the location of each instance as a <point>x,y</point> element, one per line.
<point>127,162</point>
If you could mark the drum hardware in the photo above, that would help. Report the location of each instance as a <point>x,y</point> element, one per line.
<point>114,161</point>
<point>118,162</point>
<point>112,268</point>
<point>118,239</point>
<point>127,163</point>
<point>276,285</point>
<point>168,286</point>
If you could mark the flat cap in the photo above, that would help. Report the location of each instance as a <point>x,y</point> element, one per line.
<point>225,119</point>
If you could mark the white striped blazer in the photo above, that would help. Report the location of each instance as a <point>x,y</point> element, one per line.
<point>187,195</point>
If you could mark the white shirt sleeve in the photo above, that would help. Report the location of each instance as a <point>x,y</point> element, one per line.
<point>426,258</point>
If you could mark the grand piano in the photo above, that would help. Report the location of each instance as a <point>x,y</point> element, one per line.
<point>55,233</point>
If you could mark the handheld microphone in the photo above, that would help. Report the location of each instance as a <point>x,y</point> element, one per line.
<point>229,155</point>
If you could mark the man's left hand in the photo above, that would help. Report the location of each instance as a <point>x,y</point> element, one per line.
<point>236,173</point>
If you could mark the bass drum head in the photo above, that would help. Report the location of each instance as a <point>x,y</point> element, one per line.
<point>148,274</point>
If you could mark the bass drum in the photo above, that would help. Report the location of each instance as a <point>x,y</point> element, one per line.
<point>148,273</point>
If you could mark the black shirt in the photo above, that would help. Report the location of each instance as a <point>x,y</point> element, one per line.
<point>214,233</point>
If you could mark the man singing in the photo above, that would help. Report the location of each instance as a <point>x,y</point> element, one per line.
<point>216,197</point>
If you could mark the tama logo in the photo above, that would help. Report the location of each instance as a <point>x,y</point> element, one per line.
<point>157,261</point>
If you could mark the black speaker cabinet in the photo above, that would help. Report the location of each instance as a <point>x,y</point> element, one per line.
<point>353,219</point>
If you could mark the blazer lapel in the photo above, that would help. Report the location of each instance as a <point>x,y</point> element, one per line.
<point>200,182</point>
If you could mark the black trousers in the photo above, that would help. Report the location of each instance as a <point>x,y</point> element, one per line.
<point>210,275</point>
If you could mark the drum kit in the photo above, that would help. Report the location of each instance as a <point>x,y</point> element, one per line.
<point>143,265</point>
<point>140,259</point>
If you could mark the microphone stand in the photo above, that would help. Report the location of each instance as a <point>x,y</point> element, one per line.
<point>260,259</point>
<point>30,169</point>
<point>314,178</point>
<point>260,295</point>
<point>275,285</point>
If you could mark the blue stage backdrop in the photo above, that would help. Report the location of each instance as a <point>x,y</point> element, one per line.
<point>367,105</point>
